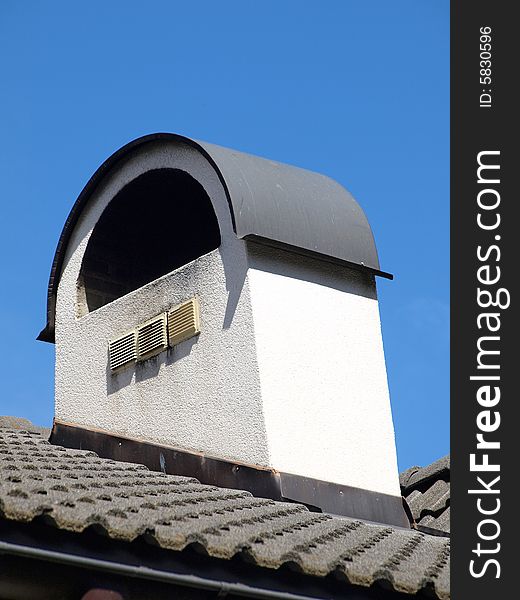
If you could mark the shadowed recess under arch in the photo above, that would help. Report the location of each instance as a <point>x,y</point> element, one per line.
<point>157,223</point>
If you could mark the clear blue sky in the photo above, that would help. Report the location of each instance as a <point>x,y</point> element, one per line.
<point>358,90</point>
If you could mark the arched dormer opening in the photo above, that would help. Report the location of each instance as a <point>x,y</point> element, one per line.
<point>157,223</point>
<point>269,203</point>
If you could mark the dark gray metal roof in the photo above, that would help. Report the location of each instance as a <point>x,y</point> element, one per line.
<point>286,204</point>
<point>76,489</point>
<point>270,202</point>
<point>427,493</point>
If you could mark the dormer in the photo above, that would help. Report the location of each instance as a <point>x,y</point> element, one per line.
<point>222,309</point>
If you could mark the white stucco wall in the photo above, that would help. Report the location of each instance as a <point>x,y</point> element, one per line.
<point>322,371</point>
<point>288,370</point>
<point>204,395</point>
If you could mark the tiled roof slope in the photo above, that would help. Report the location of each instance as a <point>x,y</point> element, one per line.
<point>427,492</point>
<point>21,423</point>
<point>76,489</point>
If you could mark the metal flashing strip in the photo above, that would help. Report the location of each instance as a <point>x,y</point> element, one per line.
<point>317,495</point>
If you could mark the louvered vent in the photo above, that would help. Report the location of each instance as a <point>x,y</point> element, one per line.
<point>122,350</point>
<point>151,337</point>
<point>183,322</point>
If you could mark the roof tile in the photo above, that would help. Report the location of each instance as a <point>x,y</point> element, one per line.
<point>427,493</point>
<point>77,489</point>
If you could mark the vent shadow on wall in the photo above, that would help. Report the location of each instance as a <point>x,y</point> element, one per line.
<point>170,328</point>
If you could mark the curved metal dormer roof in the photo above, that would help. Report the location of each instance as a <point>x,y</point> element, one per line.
<point>270,202</point>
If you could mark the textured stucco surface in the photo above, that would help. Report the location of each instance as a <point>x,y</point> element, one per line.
<point>322,371</point>
<point>288,370</point>
<point>204,394</point>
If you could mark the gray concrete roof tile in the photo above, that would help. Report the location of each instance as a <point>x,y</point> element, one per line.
<point>441,523</point>
<point>427,493</point>
<point>434,500</point>
<point>76,490</point>
<point>25,424</point>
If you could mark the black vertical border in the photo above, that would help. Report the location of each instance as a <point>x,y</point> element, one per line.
<point>475,129</point>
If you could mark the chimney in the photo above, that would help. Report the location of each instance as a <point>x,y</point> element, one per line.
<point>215,314</point>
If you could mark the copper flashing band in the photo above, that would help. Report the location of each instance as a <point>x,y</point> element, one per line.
<point>321,496</point>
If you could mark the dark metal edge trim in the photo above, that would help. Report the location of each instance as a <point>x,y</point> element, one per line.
<point>318,495</point>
